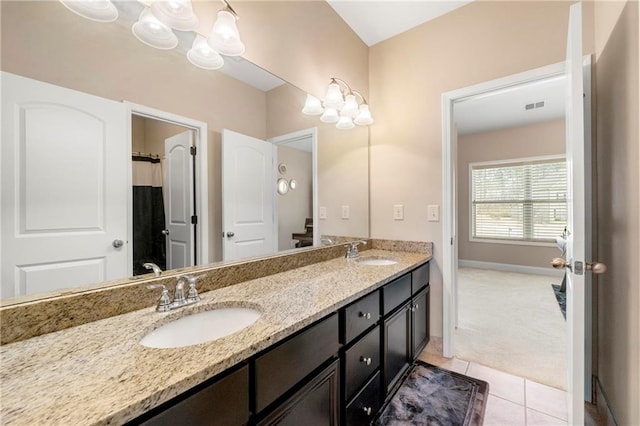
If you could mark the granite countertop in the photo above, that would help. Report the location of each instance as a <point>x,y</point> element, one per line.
<point>98,373</point>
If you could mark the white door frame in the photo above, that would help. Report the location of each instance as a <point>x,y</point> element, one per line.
<point>311,132</point>
<point>449,220</point>
<point>202,190</point>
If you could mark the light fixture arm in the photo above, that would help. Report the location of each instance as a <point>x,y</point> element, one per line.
<point>228,8</point>
<point>339,80</point>
<point>364,100</point>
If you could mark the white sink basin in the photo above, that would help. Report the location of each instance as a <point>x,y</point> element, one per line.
<point>200,327</point>
<point>377,261</point>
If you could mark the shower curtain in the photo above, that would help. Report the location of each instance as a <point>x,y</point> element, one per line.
<point>149,243</point>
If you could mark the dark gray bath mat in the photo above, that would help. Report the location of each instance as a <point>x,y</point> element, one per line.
<point>561,297</point>
<point>430,395</point>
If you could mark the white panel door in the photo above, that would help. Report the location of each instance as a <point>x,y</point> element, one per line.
<point>578,240</point>
<point>64,171</point>
<point>178,174</point>
<point>248,192</point>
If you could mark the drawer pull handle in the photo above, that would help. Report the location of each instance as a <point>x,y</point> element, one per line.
<point>367,410</point>
<point>364,315</point>
<point>366,360</point>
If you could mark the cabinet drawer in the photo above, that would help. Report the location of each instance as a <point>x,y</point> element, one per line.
<point>224,402</point>
<point>360,315</point>
<point>285,365</point>
<point>366,404</point>
<point>419,278</point>
<point>396,292</point>
<point>361,360</point>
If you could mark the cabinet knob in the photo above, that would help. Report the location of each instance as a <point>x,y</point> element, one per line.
<point>415,306</point>
<point>365,315</point>
<point>366,360</point>
<point>367,410</point>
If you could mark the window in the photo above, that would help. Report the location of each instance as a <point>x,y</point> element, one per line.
<point>522,200</point>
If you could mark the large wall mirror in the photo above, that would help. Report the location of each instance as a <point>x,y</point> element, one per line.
<point>169,106</point>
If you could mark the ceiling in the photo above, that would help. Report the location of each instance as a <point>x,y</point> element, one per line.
<point>375,21</point>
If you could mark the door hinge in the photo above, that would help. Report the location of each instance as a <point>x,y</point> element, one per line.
<point>194,220</point>
<point>193,150</point>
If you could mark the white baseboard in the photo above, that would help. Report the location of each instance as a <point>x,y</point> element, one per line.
<point>507,267</point>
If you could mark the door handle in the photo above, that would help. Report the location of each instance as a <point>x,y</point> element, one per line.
<point>596,267</point>
<point>117,243</point>
<point>230,234</point>
<point>165,232</point>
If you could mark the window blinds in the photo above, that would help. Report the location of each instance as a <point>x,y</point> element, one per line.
<point>524,201</point>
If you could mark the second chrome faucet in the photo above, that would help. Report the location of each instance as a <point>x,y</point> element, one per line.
<point>179,299</point>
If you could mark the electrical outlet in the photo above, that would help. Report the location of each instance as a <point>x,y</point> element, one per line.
<point>322,212</point>
<point>345,212</point>
<point>398,212</point>
<point>433,213</point>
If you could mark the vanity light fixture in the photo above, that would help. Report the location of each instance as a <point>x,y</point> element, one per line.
<point>158,20</point>
<point>96,10</point>
<point>340,106</point>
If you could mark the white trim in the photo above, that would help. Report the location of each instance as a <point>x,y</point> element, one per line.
<point>449,219</point>
<point>300,134</point>
<point>508,267</point>
<point>202,177</point>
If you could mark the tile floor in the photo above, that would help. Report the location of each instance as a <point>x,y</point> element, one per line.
<point>512,400</point>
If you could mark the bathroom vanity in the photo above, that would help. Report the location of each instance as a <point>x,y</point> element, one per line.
<point>332,342</point>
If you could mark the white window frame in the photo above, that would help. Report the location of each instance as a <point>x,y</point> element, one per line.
<point>473,239</point>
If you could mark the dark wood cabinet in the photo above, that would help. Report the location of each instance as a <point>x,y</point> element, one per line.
<point>420,321</point>
<point>317,403</point>
<point>286,364</point>
<point>225,402</point>
<point>397,345</point>
<point>339,369</point>
<point>366,404</point>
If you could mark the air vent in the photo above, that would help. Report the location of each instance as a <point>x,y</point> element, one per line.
<point>534,105</point>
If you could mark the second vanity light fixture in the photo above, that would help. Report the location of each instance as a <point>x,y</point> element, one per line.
<point>340,106</point>
<point>158,20</point>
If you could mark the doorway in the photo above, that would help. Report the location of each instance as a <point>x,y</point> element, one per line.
<point>167,206</point>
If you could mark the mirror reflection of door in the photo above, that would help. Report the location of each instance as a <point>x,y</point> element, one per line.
<point>163,193</point>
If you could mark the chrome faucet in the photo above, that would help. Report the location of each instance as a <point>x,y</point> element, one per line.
<point>352,249</point>
<point>156,269</point>
<point>165,304</point>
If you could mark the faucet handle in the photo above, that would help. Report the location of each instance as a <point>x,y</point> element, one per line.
<point>352,249</point>
<point>192,295</point>
<point>164,304</point>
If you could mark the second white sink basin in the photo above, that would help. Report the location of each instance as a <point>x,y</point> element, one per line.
<point>200,327</point>
<point>378,261</point>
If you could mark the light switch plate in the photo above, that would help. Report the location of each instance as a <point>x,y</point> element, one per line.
<point>345,212</point>
<point>433,213</point>
<point>398,212</point>
<point>322,212</point>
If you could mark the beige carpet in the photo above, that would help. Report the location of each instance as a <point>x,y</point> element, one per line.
<point>511,322</point>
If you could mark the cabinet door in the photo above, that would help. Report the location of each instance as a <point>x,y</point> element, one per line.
<point>225,402</point>
<point>317,403</point>
<point>397,345</point>
<point>420,321</point>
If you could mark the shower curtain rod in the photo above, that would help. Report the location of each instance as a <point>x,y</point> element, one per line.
<point>145,154</point>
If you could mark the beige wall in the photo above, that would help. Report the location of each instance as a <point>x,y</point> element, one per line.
<point>294,206</point>
<point>408,75</point>
<point>618,191</point>
<point>148,135</point>
<point>516,142</point>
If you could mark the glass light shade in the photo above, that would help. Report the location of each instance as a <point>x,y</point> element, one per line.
<point>203,56</point>
<point>364,116</point>
<point>152,32</point>
<point>224,36</point>
<point>330,116</point>
<point>177,14</point>
<point>350,107</point>
<point>95,10</point>
<point>312,106</point>
<point>345,123</point>
<point>333,98</point>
